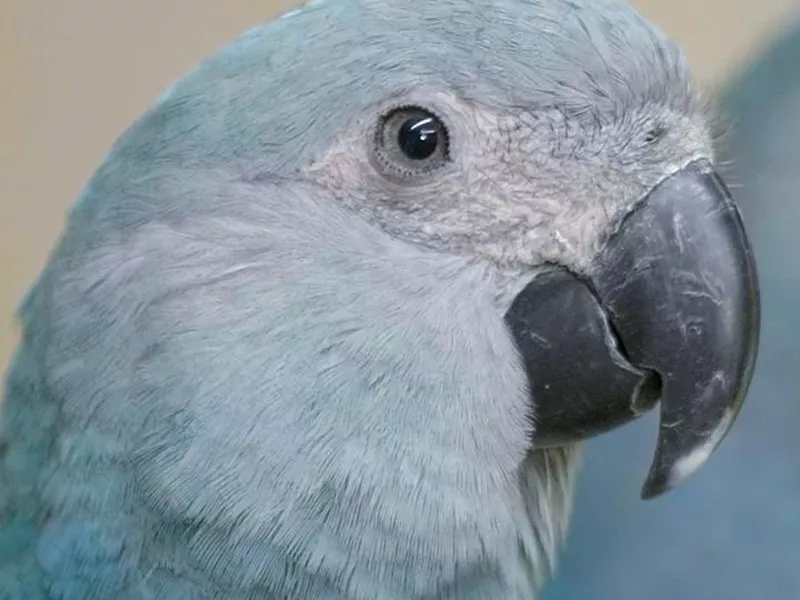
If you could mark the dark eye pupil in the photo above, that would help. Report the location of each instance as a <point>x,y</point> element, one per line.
<point>419,137</point>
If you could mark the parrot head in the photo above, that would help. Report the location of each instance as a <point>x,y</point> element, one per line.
<point>562,143</point>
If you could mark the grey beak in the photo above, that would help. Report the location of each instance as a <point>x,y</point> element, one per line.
<point>669,312</point>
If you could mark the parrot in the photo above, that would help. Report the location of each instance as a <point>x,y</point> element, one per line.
<point>746,551</point>
<point>335,315</point>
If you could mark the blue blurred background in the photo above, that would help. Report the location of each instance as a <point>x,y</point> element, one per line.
<point>733,531</point>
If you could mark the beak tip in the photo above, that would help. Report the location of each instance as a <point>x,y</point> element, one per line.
<point>653,488</point>
<point>662,480</point>
<point>670,470</point>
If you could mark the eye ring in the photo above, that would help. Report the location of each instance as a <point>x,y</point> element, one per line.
<point>411,141</point>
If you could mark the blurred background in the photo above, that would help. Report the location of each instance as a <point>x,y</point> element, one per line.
<point>75,74</point>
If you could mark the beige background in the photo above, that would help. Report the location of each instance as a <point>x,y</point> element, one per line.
<point>76,73</point>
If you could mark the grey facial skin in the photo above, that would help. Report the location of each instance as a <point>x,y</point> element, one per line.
<point>271,357</point>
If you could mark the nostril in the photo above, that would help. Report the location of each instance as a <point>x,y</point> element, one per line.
<point>655,134</point>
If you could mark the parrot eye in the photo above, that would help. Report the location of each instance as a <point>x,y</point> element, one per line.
<point>411,140</point>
